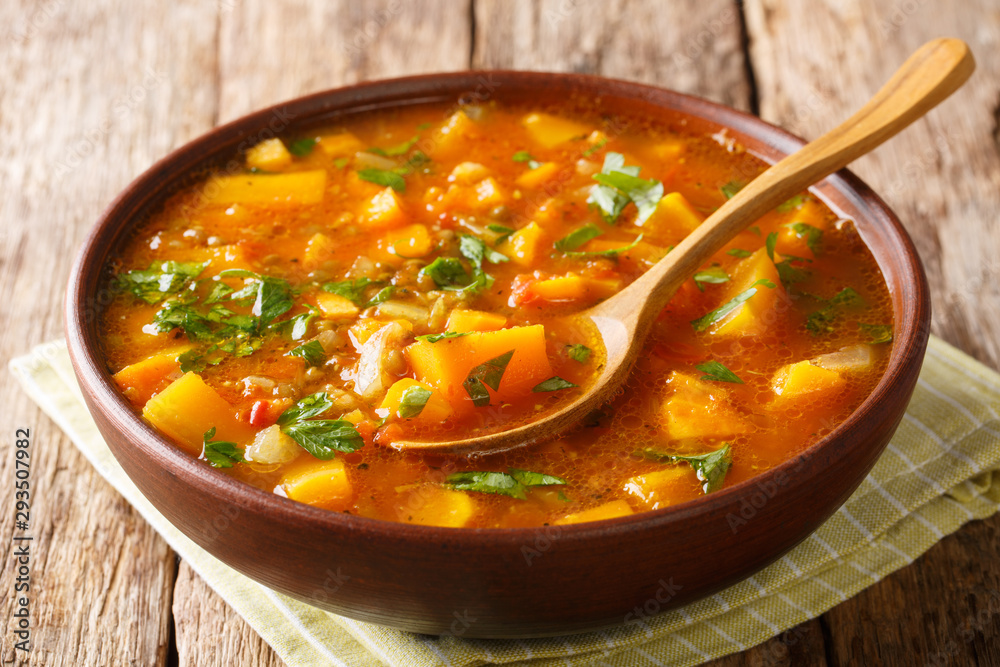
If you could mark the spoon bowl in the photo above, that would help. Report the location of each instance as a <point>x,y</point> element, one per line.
<point>929,76</point>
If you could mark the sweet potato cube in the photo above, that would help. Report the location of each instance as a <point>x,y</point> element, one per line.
<point>408,242</point>
<point>462,320</point>
<point>447,141</point>
<point>803,380</point>
<point>384,210</point>
<point>467,173</point>
<point>671,149</point>
<point>139,381</point>
<point>336,307</point>
<point>435,506</point>
<point>601,512</point>
<point>662,488</point>
<point>319,249</point>
<point>446,364</point>
<point>188,407</point>
<point>698,409</point>
<point>340,145</point>
<point>320,483</point>
<point>673,219</point>
<point>550,130</point>
<point>300,187</point>
<point>575,288</point>
<point>436,409</point>
<point>755,314</point>
<point>483,195</point>
<point>524,245</point>
<point>269,154</point>
<point>538,176</point>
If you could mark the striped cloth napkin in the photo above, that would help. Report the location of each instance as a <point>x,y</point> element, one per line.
<point>937,473</point>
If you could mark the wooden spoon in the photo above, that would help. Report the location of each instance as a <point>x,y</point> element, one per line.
<point>930,75</point>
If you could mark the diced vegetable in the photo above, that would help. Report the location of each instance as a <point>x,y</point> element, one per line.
<point>853,359</point>
<point>698,409</point>
<point>188,408</point>
<point>336,307</point>
<point>804,379</point>
<point>575,288</point>
<point>462,320</point>
<point>410,242</point>
<point>751,316</point>
<point>299,187</point>
<point>662,488</point>
<point>608,510</point>
<point>467,173</point>
<point>526,245</point>
<point>400,401</point>
<point>538,176</point>
<point>340,145</point>
<point>271,446</point>
<point>269,154</point>
<point>141,380</point>
<point>319,483</point>
<point>446,364</point>
<point>320,249</point>
<point>449,141</point>
<point>435,506</point>
<point>385,210</point>
<point>673,219</point>
<point>551,130</point>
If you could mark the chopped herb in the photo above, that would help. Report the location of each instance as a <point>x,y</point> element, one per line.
<point>383,177</point>
<point>711,318</point>
<point>596,147</point>
<point>554,383</point>
<point>312,352</point>
<point>433,338</point>
<point>383,295</point>
<point>788,273</point>
<point>322,438</point>
<point>717,372</point>
<point>513,483</point>
<point>502,230</point>
<point>577,352</point>
<point>412,402</point>
<point>847,297</point>
<point>578,237</point>
<point>610,252</point>
<point>770,242</point>
<point>644,194</point>
<point>399,149</point>
<point>821,321</point>
<point>423,126</point>
<point>739,252</point>
<point>525,156</point>
<point>731,188</point>
<point>878,333</point>
<point>219,453</point>
<point>417,159</point>
<point>340,162</point>
<point>791,204</point>
<point>349,289</point>
<point>297,326</point>
<point>713,275</point>
<point>812,235</point>
<point>219,293</point>
<point>447,272</point>
<point>302,147</point>
<point>194,362</point>
<point>710,468</point>
<point>755,229</point>
<point>475,250</point>
<point>160,280</point>
<point>272,297</point>
<point>486,374</point>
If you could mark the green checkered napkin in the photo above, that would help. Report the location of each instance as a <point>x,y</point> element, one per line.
<point>939,471</point>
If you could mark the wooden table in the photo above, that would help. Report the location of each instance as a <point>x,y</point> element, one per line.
<point>93,92</point>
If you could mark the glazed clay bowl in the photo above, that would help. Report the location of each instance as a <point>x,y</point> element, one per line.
<point>499,582</point>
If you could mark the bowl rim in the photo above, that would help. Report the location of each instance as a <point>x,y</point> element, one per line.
<point>147,189</point>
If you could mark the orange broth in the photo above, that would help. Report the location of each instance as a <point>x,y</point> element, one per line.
<point>410,274</point>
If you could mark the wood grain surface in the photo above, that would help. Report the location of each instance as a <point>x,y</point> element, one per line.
<point>94,92</point>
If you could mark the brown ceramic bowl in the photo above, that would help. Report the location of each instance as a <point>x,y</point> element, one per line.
<point>499,582</point>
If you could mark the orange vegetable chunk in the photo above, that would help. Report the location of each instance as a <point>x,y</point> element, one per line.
<point>436,408</point>
<point>462,320</point>
<point>139,381</point>
<point>446,364</point>
<point>320,483</point>
<point>606,511</point>
<point>755,314</point>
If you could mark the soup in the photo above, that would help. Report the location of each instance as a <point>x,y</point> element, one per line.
<point>412,275</point>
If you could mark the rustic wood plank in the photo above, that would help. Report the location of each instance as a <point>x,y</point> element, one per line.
<point>322,45</point>
<point>209,632</point>
<point>93,93</point>
<point>694,46</point>
<point>815,64</point>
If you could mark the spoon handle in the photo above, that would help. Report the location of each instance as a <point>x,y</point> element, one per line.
<point>927,77</point>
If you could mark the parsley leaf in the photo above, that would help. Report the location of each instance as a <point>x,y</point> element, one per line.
<point>596,147</point>
<point>578,237</point>
<point>610,252</point>
<point>577,352</point>
<point>486,374</point>
<point>312,352</point>
<point>525,156</point>
<point>821,321</point>
<point>717,372</point>
<point>447,272</point>
<point>272,298</point>
<point>301,147</point>
<point>770,242</point>
<point>791,204</point>
<point>711,468</point>
<point>398,149</point>
<point>739,252</point>
<point>383,295</point>
<point>502,230</point>
<point>711,318</point>
<point>514,483</point>
<point>312,405</point>
<point>608,200</point>
<point>731,188</point>
<point>812,235</point>
<point>349,289</point>
<point>322,438</point>
<point>475,250</point>
<point>383,177</point>
<point>714,275</point>
<point>220,453</point>
<point>412,402</point>
<point>433,338</point>
<point>160,280</point>
<point>554,383</point>
<point>879,333</point>
<point>644,194</point>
